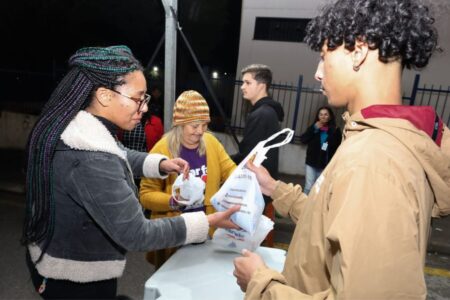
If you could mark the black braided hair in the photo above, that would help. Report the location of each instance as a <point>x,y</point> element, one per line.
<point>399,29</point>
<point>90,68</point>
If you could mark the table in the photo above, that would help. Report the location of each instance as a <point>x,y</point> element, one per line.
<point>201,272</point>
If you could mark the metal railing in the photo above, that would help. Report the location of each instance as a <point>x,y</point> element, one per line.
<point>25,90</point>
<point>301,103</point>
<point>436,97</point>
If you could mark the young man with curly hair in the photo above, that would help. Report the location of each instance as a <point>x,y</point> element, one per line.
<point>362,232</point>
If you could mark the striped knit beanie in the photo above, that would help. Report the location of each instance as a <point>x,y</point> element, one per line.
<point>190,107</point>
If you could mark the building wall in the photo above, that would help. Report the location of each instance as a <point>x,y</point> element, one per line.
<point>438,70</point>
<point>293,156</point>
<point>14,129</point>
<point>288,59</point>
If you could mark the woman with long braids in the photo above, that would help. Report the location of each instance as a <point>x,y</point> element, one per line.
<point>82,208</point>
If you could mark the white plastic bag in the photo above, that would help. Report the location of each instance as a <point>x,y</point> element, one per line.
<point>235,240</point>
<point>188,192</point>
<point>242,187</point>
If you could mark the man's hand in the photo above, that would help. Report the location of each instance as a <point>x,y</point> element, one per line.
<point>245,266</point>
<point>266,182</point>
<point>222,219</point>
<point>177,165</point>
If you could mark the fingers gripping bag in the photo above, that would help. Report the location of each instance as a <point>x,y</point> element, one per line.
<point>188,192</point>
<point>242,187</point>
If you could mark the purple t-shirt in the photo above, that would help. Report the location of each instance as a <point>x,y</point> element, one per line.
<point>197,165</point>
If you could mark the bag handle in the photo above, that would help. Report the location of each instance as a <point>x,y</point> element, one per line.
<point>289,134</point>
<point>261,150</point>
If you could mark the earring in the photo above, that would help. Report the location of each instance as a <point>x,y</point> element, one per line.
<point>356,68</point>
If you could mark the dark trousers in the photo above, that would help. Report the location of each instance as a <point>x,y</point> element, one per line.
<point>65,289</point>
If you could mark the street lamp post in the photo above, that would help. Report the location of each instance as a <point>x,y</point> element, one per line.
<point>170,62</point>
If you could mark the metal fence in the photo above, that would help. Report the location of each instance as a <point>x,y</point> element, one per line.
<point>301,103</point>
<point>29,90</point>
<point>430,95</point>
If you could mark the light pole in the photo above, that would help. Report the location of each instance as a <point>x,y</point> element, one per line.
<point>170,62</point>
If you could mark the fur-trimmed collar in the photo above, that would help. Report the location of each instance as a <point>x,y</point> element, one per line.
<point>86,132</point>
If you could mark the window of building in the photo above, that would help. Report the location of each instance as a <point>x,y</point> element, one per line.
<point>280,29</point>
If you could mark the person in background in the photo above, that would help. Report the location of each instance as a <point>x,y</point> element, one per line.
<point>154,127</point>
<point>322,138</point>
<point>144,136</point>
<point>188,139</point>
<point>264,117</point>
<point>82,212</point>
<point>262,121</point>
<point>134,139</point>
<point>154,130</point>
<point>156,106</point>
<point>362,232</point>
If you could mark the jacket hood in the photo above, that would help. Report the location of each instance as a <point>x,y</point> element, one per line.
<point>422,132</point>
<point>272,103</point>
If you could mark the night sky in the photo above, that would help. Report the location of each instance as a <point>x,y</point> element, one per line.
<point>40,35</point>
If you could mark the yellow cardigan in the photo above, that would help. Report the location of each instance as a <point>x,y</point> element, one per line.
<point>155,193</point>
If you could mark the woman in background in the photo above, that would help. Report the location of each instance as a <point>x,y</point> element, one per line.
<point>322,138</point>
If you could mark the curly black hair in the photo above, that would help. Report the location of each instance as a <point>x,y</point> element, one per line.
<point>399,29</point>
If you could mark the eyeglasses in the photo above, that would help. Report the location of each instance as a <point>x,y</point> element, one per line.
<point>140,102</point>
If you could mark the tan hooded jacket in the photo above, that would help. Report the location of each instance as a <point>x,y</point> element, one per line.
<point>362,233</point>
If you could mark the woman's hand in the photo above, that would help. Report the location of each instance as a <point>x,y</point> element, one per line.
<point>177,165</point>
<point>222,219</point>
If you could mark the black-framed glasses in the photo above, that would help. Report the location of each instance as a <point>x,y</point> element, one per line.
<point>140,102</point>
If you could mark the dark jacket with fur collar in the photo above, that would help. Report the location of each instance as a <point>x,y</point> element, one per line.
<point>98,216</point>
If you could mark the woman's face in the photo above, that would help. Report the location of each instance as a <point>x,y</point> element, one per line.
<point>192,134</point>
<point>125,112</point>
<point>324,116</point>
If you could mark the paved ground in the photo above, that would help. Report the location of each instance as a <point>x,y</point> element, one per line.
<point>14,278</point>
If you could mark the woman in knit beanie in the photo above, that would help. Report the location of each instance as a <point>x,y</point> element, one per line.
<point>188,139</point>
<point>82,208</point>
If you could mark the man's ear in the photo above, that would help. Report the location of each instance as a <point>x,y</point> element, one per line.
<point>359,54</point>
<point>263,87</point>
<point>103,96</point>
